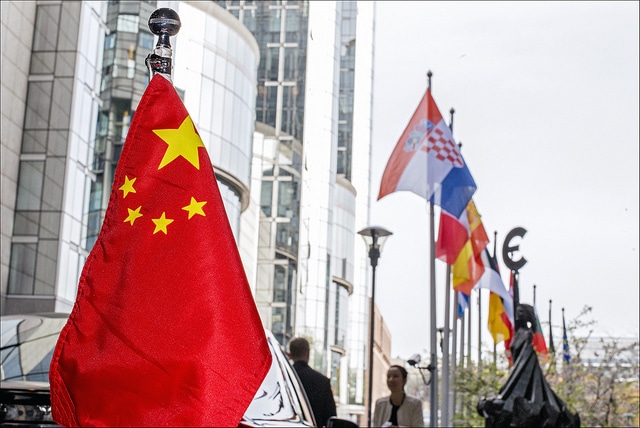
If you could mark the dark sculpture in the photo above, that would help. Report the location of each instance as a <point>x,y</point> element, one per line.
<point>526,399</point>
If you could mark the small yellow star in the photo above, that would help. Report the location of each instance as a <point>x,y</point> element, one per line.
<point>195,207</point>
<point>161,223</point>
<point>127,187</point>
<point>133,215</point>
<point>181,142</point>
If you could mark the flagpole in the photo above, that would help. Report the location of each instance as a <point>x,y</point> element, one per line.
<point>454,345</point>
<point>516,289</point>
<point>446,329</point>
<point>462,338</point>
<point>495,243</point>
<point>469,333</point>
<point>552,347</point>
<point>479,327</point>
<point>432,286</point>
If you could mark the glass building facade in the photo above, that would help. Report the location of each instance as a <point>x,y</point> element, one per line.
<point>48,236</point>
<point>313,119</point>
<point>85,77</point>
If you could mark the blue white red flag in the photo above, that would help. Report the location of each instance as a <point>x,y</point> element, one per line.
<point>428,162</point>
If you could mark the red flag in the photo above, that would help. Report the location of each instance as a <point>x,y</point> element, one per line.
<point>539,343</point>
<point>164,330</point>
<point>453,234</point>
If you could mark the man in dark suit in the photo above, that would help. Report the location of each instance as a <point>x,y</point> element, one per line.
<point>316,385</point>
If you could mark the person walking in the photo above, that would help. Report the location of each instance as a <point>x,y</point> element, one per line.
<point>316,385</point>
<point>399,408</point>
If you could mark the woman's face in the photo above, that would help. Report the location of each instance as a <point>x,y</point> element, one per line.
<point>395,381</point>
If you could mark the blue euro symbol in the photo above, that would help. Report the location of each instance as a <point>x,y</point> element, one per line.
<point>508,249</point>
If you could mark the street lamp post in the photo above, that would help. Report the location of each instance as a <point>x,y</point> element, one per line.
<point>374,237</point>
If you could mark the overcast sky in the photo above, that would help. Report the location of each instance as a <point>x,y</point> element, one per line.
<point>546,108</point>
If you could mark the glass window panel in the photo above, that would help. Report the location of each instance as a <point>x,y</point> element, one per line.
<point>26,223</point>
<point>45,37</point>
<point>271,66</point>
<point>292,26</point>
<point>287,237</point>
<point>270,105</point>
<point>279,284</point>
<point>46,268</point>
<point>146,41</point>
<point>110,41</point>
<point>34,142</point>
<point>266,195</point>
<point>30,185</point>
<point>42,62</point>
<point>68,27</point>
<point>274,19</point>
<point>250,19</point>
<point>94,222</point>
<point>52,187</point>
<point>61,111</point>
<point>58,143</point>
<point>290,120</point>
<point>278,323</point>
<point>38,105</point>
<point>95,196</point>
<point>128,23</point>
<point>21,268</point>
<point>290,63</point>
<point>341,315</point>
<point>65,64</point>
<point>50,225</point>
<point>335,370</point>
<point>287,196</point>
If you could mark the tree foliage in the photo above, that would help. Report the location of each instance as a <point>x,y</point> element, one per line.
<point>602,387</point>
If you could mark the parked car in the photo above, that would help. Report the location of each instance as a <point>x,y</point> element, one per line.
<point>27,346</point>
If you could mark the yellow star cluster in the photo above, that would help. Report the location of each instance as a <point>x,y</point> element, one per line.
<point>194,207</point>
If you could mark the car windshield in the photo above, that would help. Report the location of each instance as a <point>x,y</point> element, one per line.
<point>27,347</point>
<point>274,401</point>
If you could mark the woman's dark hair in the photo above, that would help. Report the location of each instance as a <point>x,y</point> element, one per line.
<point>403,371</point>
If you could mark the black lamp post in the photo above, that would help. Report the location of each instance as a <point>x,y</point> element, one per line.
<point>374,237</point>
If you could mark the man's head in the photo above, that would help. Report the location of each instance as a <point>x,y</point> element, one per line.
<point>299,349</point>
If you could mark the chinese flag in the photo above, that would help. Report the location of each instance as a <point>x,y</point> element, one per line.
<point>164,330</point>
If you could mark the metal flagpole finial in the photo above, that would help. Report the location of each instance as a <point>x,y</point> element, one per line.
<point>164,23</point>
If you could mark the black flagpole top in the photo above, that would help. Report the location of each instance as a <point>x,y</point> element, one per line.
<point>164,23</point>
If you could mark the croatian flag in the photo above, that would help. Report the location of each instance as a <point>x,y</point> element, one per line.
<point>427,162</point>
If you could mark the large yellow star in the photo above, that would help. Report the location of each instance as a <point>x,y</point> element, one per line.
<point>161,223</point>
<point>133,215</point>
<point>195,207</point>
<point>127,187</point>
<point>181,142</point>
